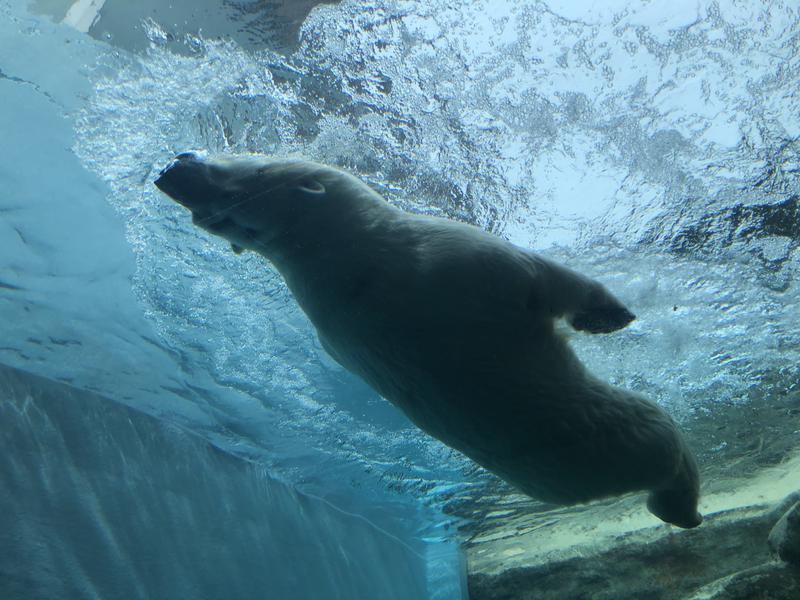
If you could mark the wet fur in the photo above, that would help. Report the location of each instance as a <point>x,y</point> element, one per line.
<point>454,326</point>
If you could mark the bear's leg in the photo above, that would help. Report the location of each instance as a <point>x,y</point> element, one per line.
<point>587,304</point>
<point>602,319</point>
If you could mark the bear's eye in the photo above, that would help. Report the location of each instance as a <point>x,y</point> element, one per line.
<point>311,186</point>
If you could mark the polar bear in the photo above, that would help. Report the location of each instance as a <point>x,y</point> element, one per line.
<point>451,324</point>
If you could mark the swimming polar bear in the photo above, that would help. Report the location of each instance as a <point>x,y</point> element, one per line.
<point>452,325</point>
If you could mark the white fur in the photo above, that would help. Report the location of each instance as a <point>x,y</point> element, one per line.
<point>455,327</point>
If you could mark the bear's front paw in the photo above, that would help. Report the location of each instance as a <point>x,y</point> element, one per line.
<point>602,320</point>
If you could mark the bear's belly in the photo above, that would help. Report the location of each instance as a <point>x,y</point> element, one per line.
<point>519,405</point>
<point>488,399</point>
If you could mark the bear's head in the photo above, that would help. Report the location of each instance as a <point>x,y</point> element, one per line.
<point>256,202</point>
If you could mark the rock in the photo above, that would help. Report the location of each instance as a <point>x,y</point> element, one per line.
<point>770,581</point>
<point>784,539</point>
<point>725,559</point>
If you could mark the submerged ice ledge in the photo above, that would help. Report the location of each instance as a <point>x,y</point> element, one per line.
<point>99,500</point>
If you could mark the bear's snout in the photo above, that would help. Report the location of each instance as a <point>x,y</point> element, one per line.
<point>180,178</point>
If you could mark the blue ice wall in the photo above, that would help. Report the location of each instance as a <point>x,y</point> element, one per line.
<point>98,500</point>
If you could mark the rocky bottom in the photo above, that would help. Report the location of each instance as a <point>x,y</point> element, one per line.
<point>746,553</point>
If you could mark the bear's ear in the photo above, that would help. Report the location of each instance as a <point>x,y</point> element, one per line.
<point>311,186</point>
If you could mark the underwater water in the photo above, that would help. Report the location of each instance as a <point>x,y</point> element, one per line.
<point>655,148</point>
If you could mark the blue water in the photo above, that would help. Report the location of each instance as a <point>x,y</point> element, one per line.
<point>654,149</point>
